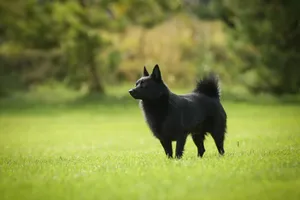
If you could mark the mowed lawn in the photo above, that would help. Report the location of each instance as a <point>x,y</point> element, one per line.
<point>103,152</point>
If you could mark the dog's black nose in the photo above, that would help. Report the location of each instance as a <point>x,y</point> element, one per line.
<point>130,91</point>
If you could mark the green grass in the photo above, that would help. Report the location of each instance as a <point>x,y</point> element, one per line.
<point>107,152</point>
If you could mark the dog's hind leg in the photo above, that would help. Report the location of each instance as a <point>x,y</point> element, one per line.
<point>198,139</point>
<point>167,145</point>
<point>180,143</point>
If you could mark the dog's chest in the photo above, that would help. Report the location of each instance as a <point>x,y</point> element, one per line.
<point>162,125</point>
<point>155,118</point>
<point>155,123</point>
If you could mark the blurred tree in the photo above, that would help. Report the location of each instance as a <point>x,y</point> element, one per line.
<point>265,41</point>
<point>63,27</point>
<point>145,14</point>
<point>272,27</point>
<point>69,35</point>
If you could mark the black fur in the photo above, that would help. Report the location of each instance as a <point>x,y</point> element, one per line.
<point>173,117</point>
<point>209,86</point>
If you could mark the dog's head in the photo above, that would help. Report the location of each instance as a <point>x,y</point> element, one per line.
<point>149,87</point>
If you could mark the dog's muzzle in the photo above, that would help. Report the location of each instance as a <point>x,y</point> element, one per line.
<point>132,92</point>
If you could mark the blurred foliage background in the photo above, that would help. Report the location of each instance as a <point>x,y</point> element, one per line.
<point>87,46</point>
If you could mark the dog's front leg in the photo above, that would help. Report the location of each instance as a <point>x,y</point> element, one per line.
<point>180,146</point>
<point>167,145</point>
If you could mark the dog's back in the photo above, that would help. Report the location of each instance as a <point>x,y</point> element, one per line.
<point>186,113</point>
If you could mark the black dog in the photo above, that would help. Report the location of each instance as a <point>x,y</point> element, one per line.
<point>172,117</point>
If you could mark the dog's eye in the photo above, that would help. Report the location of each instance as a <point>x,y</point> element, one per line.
<point>143,85</point>
<point>140,83</point>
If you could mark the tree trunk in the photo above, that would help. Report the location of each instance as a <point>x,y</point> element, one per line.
<point>95,83</point>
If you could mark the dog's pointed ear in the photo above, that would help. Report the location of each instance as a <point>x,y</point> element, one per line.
<point>145,72</point>
<point>156,73</point>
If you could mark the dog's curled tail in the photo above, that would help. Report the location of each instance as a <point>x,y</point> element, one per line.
<point>209,86</point>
